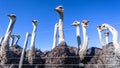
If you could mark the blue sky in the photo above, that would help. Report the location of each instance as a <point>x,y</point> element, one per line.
<point>96,11</point>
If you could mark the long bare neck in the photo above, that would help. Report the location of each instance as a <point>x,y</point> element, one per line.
<point>23,51</point>
<point>12,41</point>
<point>55,36</point>
<point>61,29</point>
<point>9,30</point>
<point>82,51</point>
<point>16,41</point>
<point>33,36</point>
<point>115,37</point>
<point>78,37</point>
<point>32,46</point>
<point>85,37</point>
<point>100,37</point>
<point>61,16</point>
<point>106,38</point>
<point>114,33</point>
<point>1,40</point>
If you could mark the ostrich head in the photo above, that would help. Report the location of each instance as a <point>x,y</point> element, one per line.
<point>105,26</point>
<point>12,39</point>
<point>18,36</point>
<point>75,23</point>
<point>85,23</point>
<point>99,28</point>
<point>59,9</point>
<point>12,17</point>
<point>12,36</point>
<point>57,25</point>
<point>35,22</point>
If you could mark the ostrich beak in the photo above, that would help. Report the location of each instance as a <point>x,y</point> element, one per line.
<point>34,21</point>
<point>11,15</point>
<point>55,9</point>
<point>72,24</point>
<point>85,22</point>
<point>98,26</point>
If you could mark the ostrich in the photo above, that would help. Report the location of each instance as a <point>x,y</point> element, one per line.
<point>31,54</point>
<point>82,51</point>
<point>1,40</point>
<point>55,36</point>
<point>99,28</point>
<point>5,45</point>
<point>112,48</point>
<point>60,11</point>
<point>77,25</point>
<point>18,37</point>
<point>106,37</point>
<point>23,51</point>
<point>115,36</point>
<point>12,40</point>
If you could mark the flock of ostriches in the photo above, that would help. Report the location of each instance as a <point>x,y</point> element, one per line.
<point>61,55</point>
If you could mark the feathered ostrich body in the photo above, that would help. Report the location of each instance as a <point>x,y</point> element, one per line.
<point>5,44</point>
<point>60,10</point>
<point>31,54</point>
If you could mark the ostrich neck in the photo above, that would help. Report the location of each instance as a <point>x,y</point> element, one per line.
<point>55,36</point>
<point>61,16</point>
<point>1,39</point>
<point>85,37</point>
<point>78,37</point>
<point>33,36</point>
<point>23,51</point>
<point>82,51</point>
<point>9,30</point>
<point>114,33</point>
<point>32,46</point>
<point>115,38</point>
<point>106,38</point>
<point>61,31</point>
<point>16,41</point>
<point>101,39</point>
<point>12,41</point>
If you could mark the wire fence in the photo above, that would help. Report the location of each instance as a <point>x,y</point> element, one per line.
<point>78,56</point>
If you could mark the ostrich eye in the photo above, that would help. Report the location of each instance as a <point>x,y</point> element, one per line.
<point>14,16</point>
<point>103,25</point>
<point>75,22</point>
<point>60,7</point>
